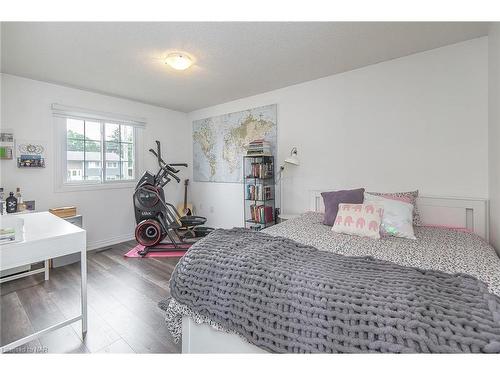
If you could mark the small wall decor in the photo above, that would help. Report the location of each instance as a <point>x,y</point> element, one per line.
<point>6,144</point>
<point>30,154</point>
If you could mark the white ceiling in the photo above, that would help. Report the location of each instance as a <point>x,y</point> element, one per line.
<point>233,60</point>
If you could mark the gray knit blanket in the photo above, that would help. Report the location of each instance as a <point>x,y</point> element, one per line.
<point>283,296</point>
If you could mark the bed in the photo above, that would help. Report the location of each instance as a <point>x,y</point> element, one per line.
<point>463,250</point>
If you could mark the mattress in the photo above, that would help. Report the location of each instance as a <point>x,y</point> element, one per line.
<point>446,250</point>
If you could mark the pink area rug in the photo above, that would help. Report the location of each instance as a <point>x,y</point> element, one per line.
<point>133,253</point>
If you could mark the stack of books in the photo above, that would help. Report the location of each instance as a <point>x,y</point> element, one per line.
<point>261,214</point>
<point>11,229</point>
<point>7,235</point>
<point>259,147</point>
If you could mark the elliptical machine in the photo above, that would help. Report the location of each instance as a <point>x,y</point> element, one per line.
<point>156,218</point>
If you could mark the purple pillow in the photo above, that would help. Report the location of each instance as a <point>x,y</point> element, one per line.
<point>333,198</point>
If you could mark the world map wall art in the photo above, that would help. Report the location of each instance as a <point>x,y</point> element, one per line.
<point>220,142</point>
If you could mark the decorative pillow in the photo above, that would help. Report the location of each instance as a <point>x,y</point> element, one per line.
<point>397,220</point>
<point>411,196</point>
<point>359,219</point>
<point>332,199</point>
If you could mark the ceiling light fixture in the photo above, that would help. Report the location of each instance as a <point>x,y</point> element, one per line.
<point>179,61</point>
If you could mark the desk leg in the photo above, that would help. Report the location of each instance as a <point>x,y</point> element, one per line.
<point>46,269</point>
<point>84,291</point>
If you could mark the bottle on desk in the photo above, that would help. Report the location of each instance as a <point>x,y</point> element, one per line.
<point>19,196</point>
<point>20,203</point>
<point>11,203</point>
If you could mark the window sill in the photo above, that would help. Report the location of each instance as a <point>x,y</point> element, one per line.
<point>99,186</point>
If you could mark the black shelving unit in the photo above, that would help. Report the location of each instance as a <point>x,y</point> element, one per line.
<point>259,193</point>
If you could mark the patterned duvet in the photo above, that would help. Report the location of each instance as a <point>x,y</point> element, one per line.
<point>439,249</point>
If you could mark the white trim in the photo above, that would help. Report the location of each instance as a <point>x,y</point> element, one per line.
<point>93,245</point>
<point>90,186</point>
<point>59,110</point>
<point>470,213</point>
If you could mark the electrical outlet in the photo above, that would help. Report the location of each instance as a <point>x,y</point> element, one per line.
<point>211,209</point>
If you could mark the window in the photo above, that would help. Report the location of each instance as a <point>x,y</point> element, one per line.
<point>95,150</point>
<point>99,151</point>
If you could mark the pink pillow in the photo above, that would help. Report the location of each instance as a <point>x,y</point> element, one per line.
<point>359,219</point>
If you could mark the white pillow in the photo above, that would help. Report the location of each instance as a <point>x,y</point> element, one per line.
<point>397,219</point>
<point>359,219</point>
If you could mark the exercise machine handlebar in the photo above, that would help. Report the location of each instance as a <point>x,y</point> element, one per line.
<point>166,170</point>
<point>163,164</point>
<point>164,173</point>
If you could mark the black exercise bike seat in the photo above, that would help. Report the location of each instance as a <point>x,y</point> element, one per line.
<point>192,221</point>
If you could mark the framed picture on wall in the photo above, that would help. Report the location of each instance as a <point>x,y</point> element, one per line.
<point>6,144</point>
<point>30,154</point>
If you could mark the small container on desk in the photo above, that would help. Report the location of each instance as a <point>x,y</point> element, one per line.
<point>259,194</point>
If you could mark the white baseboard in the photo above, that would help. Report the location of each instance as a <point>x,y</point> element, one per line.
<point>109,241</point>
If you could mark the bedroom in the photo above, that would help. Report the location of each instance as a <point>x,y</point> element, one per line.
<point>361,157</point>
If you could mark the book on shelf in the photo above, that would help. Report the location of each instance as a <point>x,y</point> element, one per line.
<point>261,213</point>
<point>261,170</point>
<point>259,192</point>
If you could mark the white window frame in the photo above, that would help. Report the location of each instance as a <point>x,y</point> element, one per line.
<point>61,114</point>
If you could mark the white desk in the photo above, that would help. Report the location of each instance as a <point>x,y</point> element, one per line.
<point>18,275</point>
<point>47,236</point>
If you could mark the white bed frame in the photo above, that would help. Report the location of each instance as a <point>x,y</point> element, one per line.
<point>470,213</point>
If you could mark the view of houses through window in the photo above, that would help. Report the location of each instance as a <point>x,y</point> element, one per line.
<point>99,151</point>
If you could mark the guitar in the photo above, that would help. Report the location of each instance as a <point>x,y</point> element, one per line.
<point>185,209</point>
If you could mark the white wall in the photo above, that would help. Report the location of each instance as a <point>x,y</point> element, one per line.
<point>494,133</point>
<point>107,214</point>
<point>419,121</point>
